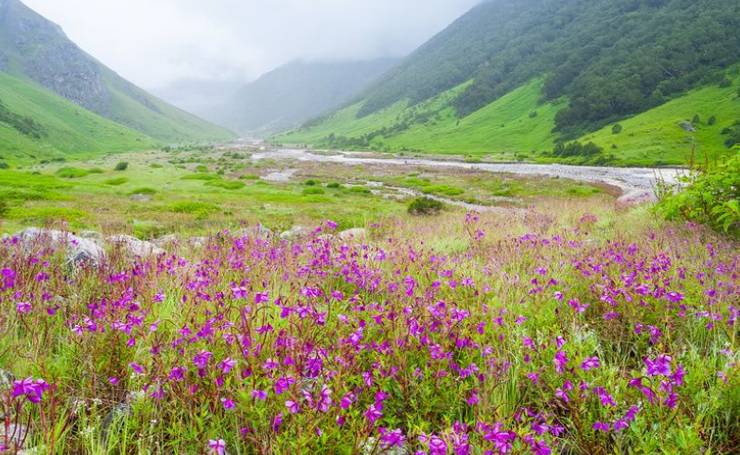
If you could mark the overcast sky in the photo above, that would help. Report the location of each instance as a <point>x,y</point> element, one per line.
<point>153,42</point>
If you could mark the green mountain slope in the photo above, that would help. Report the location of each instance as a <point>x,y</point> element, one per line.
<point>515,77</point>
<point>35,123</point>
<point>34,48</point>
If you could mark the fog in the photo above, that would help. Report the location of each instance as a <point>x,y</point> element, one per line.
<point>154,43</point>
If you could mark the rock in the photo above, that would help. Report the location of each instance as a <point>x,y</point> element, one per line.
<point>140,197</point>
<point>167,241</point>
<point>198,242</point>
<point>687,126</point>
<point>295,232</point>
<point>136,247</point>
<point>16,435</point>
<point>6,380</point>
<point>359,234</point>
<point>96,237</point>
<point>80,251</point>
<point>258,231</point>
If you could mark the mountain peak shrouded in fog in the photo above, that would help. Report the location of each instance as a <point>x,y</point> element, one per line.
<point>157,43</point>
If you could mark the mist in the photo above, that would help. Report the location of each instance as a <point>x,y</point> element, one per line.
<point>156,43</point>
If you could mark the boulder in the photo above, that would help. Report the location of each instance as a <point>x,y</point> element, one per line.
<point>357,234</point>
<point>136,247</point>
<point>80,251</point>
<point>296,232</point>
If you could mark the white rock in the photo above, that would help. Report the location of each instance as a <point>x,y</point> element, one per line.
<point>79,250</point>
<point>295,232</point>
<point>358,234</point>
<point>135,246</point>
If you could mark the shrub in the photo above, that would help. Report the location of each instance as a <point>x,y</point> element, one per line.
<point>696,120</point>
<point>711,197</point>
<point>533,114</point>
<point>616,129</point>
<point>3,208</point>
<point>117,181</point>
<point>712,120</point>
<point>72,172</point>
<point>226,184</point>
<point>312,191</point>
<point>4,165</point>
<point>156,166</point>
<point>121,166</point>
<point>425,206</point>
<point>311,182</point>
<point>334,185</point>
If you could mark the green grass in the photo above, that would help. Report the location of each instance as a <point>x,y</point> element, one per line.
<point>67,128</point>
<point>655,137</point>
<point>518,127</point>
<point>503,128</point>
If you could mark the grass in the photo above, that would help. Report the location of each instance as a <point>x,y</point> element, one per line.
<point>519,127</point>
<point>69,130</point>
<point>547,329</point>
<point>656,137</point>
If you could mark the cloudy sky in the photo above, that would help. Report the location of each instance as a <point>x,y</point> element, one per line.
<point>154,42</point>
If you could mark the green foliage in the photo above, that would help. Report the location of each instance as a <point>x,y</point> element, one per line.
<point>116,181</point>
<point>712,121</point>
<point>23,124</point>
<point>4,165</point>
<point>200,209</point>
<point>334,185</point>
<point>732,135</point>
<point>424,206</point>
<point>616,129</point>
<point>696,120</point>
<point>3,208</point>
<point>144,190</point>
<point>121,166</point>
<point>312,191</point>
<point>711,197</point>
<point>226,184</point>
<point>200,177</point>
<point>72,172</point>
<point>311,182</point>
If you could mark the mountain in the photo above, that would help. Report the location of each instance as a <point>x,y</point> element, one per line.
<point>514,78</point>
<point>37,124</point>
<point>33,48</point>
<point>283,98</point>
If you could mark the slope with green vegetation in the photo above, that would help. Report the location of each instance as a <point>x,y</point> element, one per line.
<point>36,124</point>
<point>34,48</point>
<point>595,63</point>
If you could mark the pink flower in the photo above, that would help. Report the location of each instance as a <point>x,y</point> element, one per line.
<point>227,365</point>
<point>23,307</point>
<point>201,359</point>
<point>216,447</point>
<point>228,403</point>
<point>661,366</point>
<point>590,363</point>
<point>32,389</point>
<point>293,407</point>
<point>259,395</point>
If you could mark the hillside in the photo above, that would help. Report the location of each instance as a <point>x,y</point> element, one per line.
<point>573,67</point>
<point>35,48</point>
<point>37,124</point>
<point>283,98</point>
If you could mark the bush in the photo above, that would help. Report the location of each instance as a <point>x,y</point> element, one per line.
<point>4,165</point>
<point>226,184</point>
<point>311,182</point>
<point>334,185</point>
<point>712,120</point>
<point>312,191</point>
<point>72,172</point>
<point>616,129</point>
<point>144,190</point>
<point>425,206</point>
<point>3,208</point>
<point>696,120</point>
<point>121,166</point>
<point>117,181</point>
<point>711,198</point>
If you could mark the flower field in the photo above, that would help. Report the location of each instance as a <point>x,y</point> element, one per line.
<point>533,338</point>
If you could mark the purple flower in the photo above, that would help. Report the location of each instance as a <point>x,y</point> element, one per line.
<point>138,369</point>
<point>293,407</point>
<point>261,297</point>
<point>561,360</point>
<point>602,426</point>
<point>373,413</point>
<point>216,447</point>
<point>23,307</point>
<point>259,395</point>
<point>590,363</point>
<point>32,389</point>
<point>392,438</point>
<point>660,366</point>
<point>228,403</point>
<point>201,359</point>
<point>227,365</point>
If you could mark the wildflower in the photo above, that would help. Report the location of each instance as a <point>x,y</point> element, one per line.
<point>261,297</point>
<point>660,366</point>
<point>590,363</point>
<point>259,395</point>
<point>561,360</point>
<point>32,389</point>
<point>216,447</point>
<point>392,438</point>
<point>602,426</point>
<point>227,365</point>
<point>228,403</point>
<point>373,413</point>
<point>577,306</point>
<point>293,407</point>
<point>277,421</point>
<point>23,307</point>
<point>201,359</point>
<point>138,369</point>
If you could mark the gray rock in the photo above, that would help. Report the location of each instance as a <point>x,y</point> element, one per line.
<point>17,436</point>
<point>167,241</point>
<point>296,232</point>
<point>357,234</point>
<point>80,251</point>
<point>6,379</point>
<point>258,231</point>
<point>96,237</point>
<point>136,247</point>
<point>687,126</point>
